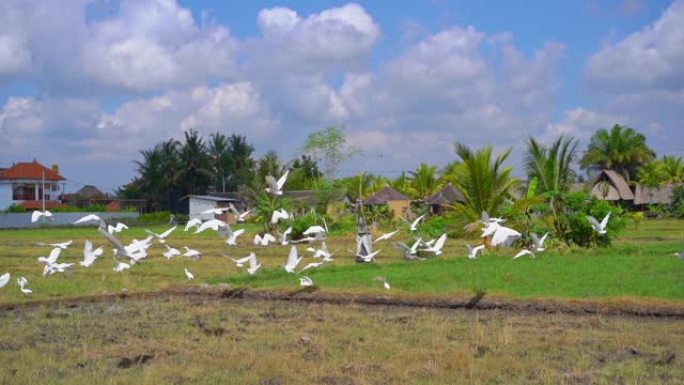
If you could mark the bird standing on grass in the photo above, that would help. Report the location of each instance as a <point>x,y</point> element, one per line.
<point>22,282</point>
<point>189,274</point>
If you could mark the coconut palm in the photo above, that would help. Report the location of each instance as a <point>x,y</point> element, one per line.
<point>486,182</point>
<point>221,161</point>
<point>651,174</point>
<point>424,180</point>
<point>551,165</point>
<point>242,164</point>
<point>194,173</point>
<point>621,148</point>
<point>673,169</point>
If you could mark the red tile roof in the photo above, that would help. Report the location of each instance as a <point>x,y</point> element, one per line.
<point>29,170</point>
<point>38,205</point>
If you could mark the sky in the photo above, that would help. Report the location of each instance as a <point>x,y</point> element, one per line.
<point>88,84</point>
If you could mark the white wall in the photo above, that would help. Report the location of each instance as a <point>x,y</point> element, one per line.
<point>197,205</point>
<point>5,195</point>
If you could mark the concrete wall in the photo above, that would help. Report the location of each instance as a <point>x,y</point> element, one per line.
<point>199,205</point>
<point>5,195</point>
<point>23,220</point>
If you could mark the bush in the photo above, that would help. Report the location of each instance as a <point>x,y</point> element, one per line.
<point>578,206</point>
<point>448,223</point>
<point>15,208</point>
<point>301,223</point>
<point>345,224</point>
<point>154,218</point>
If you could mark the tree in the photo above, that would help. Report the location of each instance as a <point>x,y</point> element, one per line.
<point>673,169</point>
<point>424,180</point>
<point>621,149</point>
<point>304,174</point>
<point>651,174</point>
<point>268,164</point>
<point>241,164</point>
<point>486,182</point>
<point>329,148</point>
<point>221,160</point>
<point>194,173</point>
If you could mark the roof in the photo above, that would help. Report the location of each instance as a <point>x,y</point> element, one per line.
<point>446,196</point>
<point>38,205</point>
<point>653,195</point>
<point>89,191</point>
<point>29,170</point>
<point>210,198</point>
<point>618,182</point>
<point>605,191</point>
<point>385,194</point>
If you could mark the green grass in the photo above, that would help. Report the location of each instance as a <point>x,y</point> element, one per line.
<point>639,266</point>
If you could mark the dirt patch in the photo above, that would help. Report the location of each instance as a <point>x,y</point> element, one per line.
<point>127,362</point>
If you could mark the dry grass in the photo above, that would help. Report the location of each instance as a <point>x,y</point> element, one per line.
<point>195,341</point>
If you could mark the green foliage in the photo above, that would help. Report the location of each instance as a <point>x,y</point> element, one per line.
<point>304,174</point>
<point>550,166</point>
<point>678,201</point>
<point>343,225</point>
<point>579,231</point>
<point>154,218</point>
<point>651,174</point>
<point>302,222</point>
<point>448,223</point>
<point>424,180</point>
<point>329,147</point>
<point>15,208</point>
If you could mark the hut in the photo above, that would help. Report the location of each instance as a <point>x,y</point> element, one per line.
<point>398,203</point>
<point>611,186</point>
<point>447,196</point>
<point>661,195</point>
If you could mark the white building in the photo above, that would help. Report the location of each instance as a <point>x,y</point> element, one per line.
<point>22,184</point>
<point>199,203</point>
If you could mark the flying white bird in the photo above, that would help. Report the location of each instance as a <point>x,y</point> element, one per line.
<point>171,252</point>
<point>293,260</point>
<point>242,261</point>
<point>278,215</point>
<point>504,236</point>
<point>52,268</point>
<point>189,274</point>
<point>253,264</point>
<point>36,215</point>
<point>119,249</point>
<point>4,279</point>
<point>599,227</point>
<point>192,253</point>
<point>62,245</point>
<point>524,252</point>
<point>136,246</point>
<point>89,255</point>
<point>231,236</point>
<point>22,282</point>
<point>117,229</point>
<point>216,211</point>
<point>276,187</point>
<point>137,256</point>
<point>213,224</point>
<point>370,257</point>
<point>264,240</point>
<point>322,252</point>
<point>88,218</point>
<point>311,266</point>
<point>161,238</point>
<point>490,229</point>
<point>538,243</point>
<point>437,247</point>
<point>121,266</point>
<point>305,281</point>
<point>383,280</point>
<point>413,226</point>
<point>385,236</point>
<point>282,237</point>
<point>472,251</point>
<point>52,258</point>
<point>486,220</point>
<point>196,222</point>
<point>240,217</point>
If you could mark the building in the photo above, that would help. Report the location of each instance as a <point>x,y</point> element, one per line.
<point>199,203</point>
<point>662,195</point>
<point>27,184</point>
<point>444,198</point>
<point>611,186</point>
<point>398,203</point>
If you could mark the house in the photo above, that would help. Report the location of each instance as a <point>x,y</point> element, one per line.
<point>654,195</point>
<point>27,184</point>
<point>611,186</point>
<point>398,203</point>
<point>83,196</point>
<point>447,196</point>
<point>199,203</point>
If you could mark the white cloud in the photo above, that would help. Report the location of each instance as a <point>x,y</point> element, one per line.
<point>581,123</point>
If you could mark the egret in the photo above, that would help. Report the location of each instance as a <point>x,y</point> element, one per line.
<point>192,253</point>
<point>385,236</point>
<point>599,227</point>
<point>22,282</point>
<point>196,222</point>
<point>293,260</point>
<point>36,215</point>
<point>119,249</point>
<point>189,274</point>
<point>242,261</point>
<point>161,238</point>
<point>240,217</point>
<point>231,236</point>
<point>383,280</point>
<point>283,236</point>
<point>504,236</point>
<point>472,251</point>
<point>276,187</point>
<point>370,257</point>
<point>437,247</point>
<point>213,224</point>
<point>523,253</point>
<point>4,279</point>
<point>116,229</point>
<point>216,211</point>
<point>121,266</point>
<point>171,252</point>
<point>88,218</point>
<point>413,226</point>
<point>62,245</point>
<point>278,215</point>
<point>89,255</point>
<point>263,240</point>
<point>52,258</point>
<point>305,281</point>
<point>538,243</point>
<point>253,265</point>
<point>311,266</point>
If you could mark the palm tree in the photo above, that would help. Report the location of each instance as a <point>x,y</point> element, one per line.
<point>621,149</point>
<point>194,173</point>
<point>151,177</point>
<point>268,164</point>
<point>402,183</point>
<point>220,159</point>
<point>485,184</point>
<point>651,174</point>
<point>673,169</point>
<point>242,164</point>
<point>424,180</point>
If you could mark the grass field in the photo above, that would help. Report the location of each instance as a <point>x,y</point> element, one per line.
<point>200,341</point>
<point>640,265</point>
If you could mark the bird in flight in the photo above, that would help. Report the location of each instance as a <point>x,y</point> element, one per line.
<point>383,280</point>
<point>293,260</point>
<point>436,248</point>
<point>523,253</point>
<point>413,226</point>
<point>472,251</point>
<point>599,227</point>
<point>276,187</point>
<point>36,215</point>
<point>385,236</point>
<point>538,242</point>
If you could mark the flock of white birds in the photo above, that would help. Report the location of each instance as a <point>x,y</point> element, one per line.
<point>493,230</point>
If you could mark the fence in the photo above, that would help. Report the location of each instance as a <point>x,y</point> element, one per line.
<point>23,220</point>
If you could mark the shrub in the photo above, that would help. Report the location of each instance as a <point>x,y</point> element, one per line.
<point>448,223</point>
<point>345,224</point>
<point>579,232</point>
<point>15,208</point>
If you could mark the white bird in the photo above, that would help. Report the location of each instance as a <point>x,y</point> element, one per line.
<point>385,236</point>
<point>311,266</point>
<point>538,243</point>
<point>524,252</point>
<point>486,220</point>
<point>137,256</point>
<point>213,224</point>
<point>413,226</point>
<point>121,266</point>
<point>189,274</point>
<point>240,217</point>
<point>119,249</point>
<point>62,245</point>
<point>370,257</point>
<point>282,237</point>
<point>171,252</point>
<point>88,218</point>
<point>278,215</point>
<point>22,282</point>
<point>216,211</point>
<point>161,238</point>
<point>490,229</point>
<point>314,230</point>
<point>305,281</point>
<point>264,240</point>
<point>36,215</point>
<point>4,279</point>
<point>231,238</point>
<point>136,246</point>
<point>196,222</point>
<point>472,251</point>
<point>52,258</point>
<point>437,247</point>
<point>242,261</point>
<point>116,229</point>
<point>276,187</point>
<point>504,236</point>
<point>89,255</point>
<point>253,264</point>
<point>293,260</point>
<point>192,253</point>
<point>383,280</point>
<point>599,227</point>
<point>52,268</point>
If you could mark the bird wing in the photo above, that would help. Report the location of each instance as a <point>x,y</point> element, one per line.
<point>237,233</point>
<point>604,222</point>
<point>152,233</point>
<point>271,183</point>
<point>35,215</point>
<point>167,232</point>
<point>192,223</point>
<point>252,261</point>
<point>115,242</point>
<point>477,249</point>
<point>440,242</point>
<point>535,239</point>
<point>268,238</point>
<point>594,223</point>
<point>87,248</point>
<point>415,223</point>
<point>4,279</point>
<point>523,252</point>
<point>257,239</point>
<point>415,246</point>
<point>485,217</point>
<point>541,241</point>
<point>313,230</point>
<point>490,229</point>
<point>54,254</point>
<point>503,236</point>
<point>88,218</point>
<point>281,181</point>
<point>402,246</point>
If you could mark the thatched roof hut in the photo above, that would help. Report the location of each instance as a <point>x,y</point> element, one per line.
<point>611,186</point>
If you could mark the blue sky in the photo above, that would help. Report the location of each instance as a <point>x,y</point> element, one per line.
<point>89,84</point>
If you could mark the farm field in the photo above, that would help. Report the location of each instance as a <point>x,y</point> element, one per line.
<point>639,267</point>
